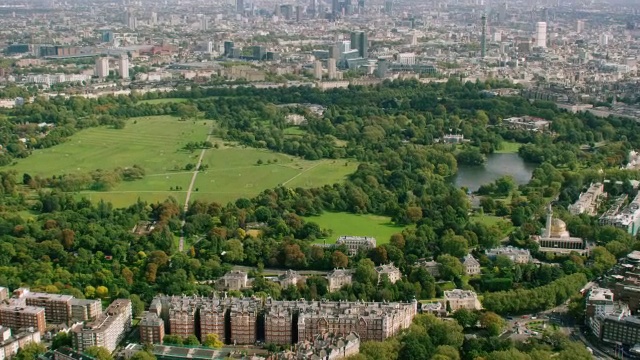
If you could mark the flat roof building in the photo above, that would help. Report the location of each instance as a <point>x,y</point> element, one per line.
<point>18,317</point>
<point>107,330</point>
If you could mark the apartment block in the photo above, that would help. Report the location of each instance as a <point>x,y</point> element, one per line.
<point>107,330</point>
<point>212,320</point>
<point>57,307</point>
<point>243,320</point>
<point>4,293</point>
<point>85,309</point>
<point>151,329</point>
<point>278,321</point>
<point>17,317</point>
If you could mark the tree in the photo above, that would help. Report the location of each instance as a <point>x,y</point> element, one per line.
<point>492,322</point>
<point>30,351</point>
<point>466,318</point>
<point>366,272</point>
<point>449,267</point>
<point>212,341</point>
<point>137,305</point>
<point>191,340</point>
<point>172,339</point>
<point>61,339</point>
<point>143,355</point>
<point>339,259</point>
<point>102,292</point>
<point>455,246</point>
<point>99,353</point>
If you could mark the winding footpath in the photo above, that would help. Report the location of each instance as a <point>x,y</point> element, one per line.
<point>186,200</point>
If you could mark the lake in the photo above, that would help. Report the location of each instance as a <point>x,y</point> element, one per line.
<point>497,165</point>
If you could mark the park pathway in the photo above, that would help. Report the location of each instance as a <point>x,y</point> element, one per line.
<point>186,200</point>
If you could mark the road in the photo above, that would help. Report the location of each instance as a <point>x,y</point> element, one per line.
<point>186,199</point>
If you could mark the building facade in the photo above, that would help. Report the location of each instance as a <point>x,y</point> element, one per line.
<point>517,255</point>
<point>339,278</point>
<point>471,265</point>
<point>356,243</point>
<point>19,317</point>
<point>107,330</point>
<point>462,299</point>
<point>151,329</point>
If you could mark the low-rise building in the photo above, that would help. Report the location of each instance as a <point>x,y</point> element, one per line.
<point>234,280</point>
<point>290,278</point>
<point>390,270</point>
<point>324,346</point>
<point>339,278</point>
<point>431,266</point>
<point>517,255</point>
<point>356,243</point>
<point>462,299</point>
<point>527,123</point>
<point>11,344</point>
<point>471,265</point>
<point>588,201</point>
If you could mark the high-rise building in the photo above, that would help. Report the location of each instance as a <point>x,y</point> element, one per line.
<point>151,329</point>
<point>228,48</point>
<point>107,330</point>
<point>388,7</point>
<point>286,11</point>
<point>102,67</point>
<point>317,70</point>
<point>17,317</point>
<point>123,66</point>
<point>383,67</point>
<point>298,13</point>
<point>331,68</point>
<point>313,8</point>
<point>259,52</point>
<point>85,309</point>
<point>360,42</point>
<point>483,40</point>
<point>579,26</point>
<point>154,18</point>
<point>360,6</point>
<point>57,307</point>
<point>335,7</point>
<point>541,34</point>
<point>210,47</point>
<point>240,6</point>
<point>604,39</point>
<point>204,23</point>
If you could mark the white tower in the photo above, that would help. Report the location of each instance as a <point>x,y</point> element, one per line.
<point>331,67</point>
<point>102,67</point>
<point>317,70</point>
<point>123,67</point>
<point>541,34</point>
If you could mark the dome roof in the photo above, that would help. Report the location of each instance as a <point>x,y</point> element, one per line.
<point>558,228</point>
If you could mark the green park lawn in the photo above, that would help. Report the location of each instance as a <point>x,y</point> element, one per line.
<point>156,144</point>
<point>492,220</point>
<point>379,227</point>
<point>233,172</point>
<point>509,147</point>
<point>294,131</point>
<point>163,101</point>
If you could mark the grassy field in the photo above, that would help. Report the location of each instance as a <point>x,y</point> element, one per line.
<point>509,147</point>
<point>156,144</point>
<point>164,101</point>
<point>294,131</point>
<point>379,227</point>
<point>234,173</point>
<point>491,220</point>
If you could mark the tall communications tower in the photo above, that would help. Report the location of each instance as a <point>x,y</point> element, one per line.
<point>483,40</point>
